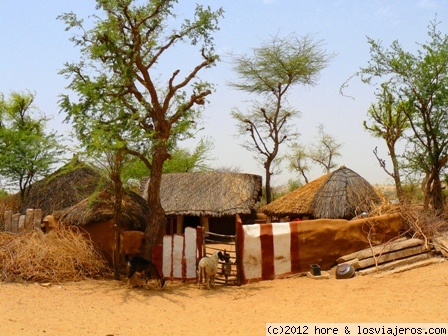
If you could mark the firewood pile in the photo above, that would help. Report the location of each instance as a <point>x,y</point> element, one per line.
<point>397,256</point>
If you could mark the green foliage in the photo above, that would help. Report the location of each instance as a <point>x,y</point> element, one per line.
<point>183,160</point>
<point>325,150</point>
<point>420,82</point>
<point>126,104</point>
<point>389,121</point>
<point>322,152</point>
<point>119,105</point>
<point>274,67</point>
<point>26,151</point>
<point>294,184</point>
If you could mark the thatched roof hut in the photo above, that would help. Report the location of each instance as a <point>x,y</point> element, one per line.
<point>209,199</point>
<point>213,194</point>
<point>65,187</point>
<point>341,194</point>
<point>99,207</point>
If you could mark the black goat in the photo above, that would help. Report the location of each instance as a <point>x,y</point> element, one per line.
<point>143,266</point>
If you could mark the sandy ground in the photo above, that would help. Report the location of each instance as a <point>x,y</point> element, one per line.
<point>109,308</point>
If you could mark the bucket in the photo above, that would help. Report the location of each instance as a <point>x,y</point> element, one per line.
<point>315,269</point>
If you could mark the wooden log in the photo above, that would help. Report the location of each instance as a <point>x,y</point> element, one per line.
<point>422,263</point>
<point>381,249</point>
<point>354,263</point>
<point>441,244</point>
<point>396,264</point>
<point>393,256</point>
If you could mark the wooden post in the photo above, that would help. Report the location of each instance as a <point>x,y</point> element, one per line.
<point>239,243</point>
<point>199,242</point>
<point>204,224</point>
<point>180,224</point>
<point>8,221</point>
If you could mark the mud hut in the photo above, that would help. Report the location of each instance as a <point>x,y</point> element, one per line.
<point>207,199</point>
<point>342,194</point>
<point>95,218</point>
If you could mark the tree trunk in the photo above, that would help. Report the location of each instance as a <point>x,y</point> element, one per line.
<point>115,176</point>
<point>396,174</point>
<point>268,182</point>
<point>157,214</point>
<point>117,220</point>
<point>432,190</point>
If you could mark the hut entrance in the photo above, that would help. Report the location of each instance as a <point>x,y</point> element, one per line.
<point>191,221</point>
<point>227,270</point>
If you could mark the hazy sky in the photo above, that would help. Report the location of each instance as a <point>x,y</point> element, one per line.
<point>34,46</point>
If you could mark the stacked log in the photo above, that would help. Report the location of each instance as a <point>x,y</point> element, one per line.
<point>441,244</point>
<point>392,257</point>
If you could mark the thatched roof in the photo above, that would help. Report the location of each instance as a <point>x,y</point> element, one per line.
<point>340,194</point>
<point>65,187</point>
<point>100,207</point>
<point>213,194</point>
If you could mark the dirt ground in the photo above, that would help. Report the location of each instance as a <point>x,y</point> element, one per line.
<point>109,308</point>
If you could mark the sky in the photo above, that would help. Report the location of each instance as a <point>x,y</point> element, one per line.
<point>34,47</point>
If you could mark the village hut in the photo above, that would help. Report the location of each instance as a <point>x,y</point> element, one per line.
<point>342,194</point>
<point>65,187</point>
<point>94,216</point>
<point>207,199</point>
<point>99,207</point>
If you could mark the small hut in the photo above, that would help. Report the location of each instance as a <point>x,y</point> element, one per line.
<point>95,217</point>
<point>207,199</point>
<point>65,187</point>
<point>342,194</point>
<point>99,207</point>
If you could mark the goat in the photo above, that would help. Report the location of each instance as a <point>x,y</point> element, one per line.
<point>143,266</point>
<point>207,269</point>
<point>226,266</point>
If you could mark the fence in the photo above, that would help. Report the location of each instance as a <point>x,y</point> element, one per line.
<point>227,271</point>
<point>258,251</point>
<point>179,254</point>
<point>269,251</point>
<point>16,222</point>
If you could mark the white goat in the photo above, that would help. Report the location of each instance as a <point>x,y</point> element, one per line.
<point>207,269</point>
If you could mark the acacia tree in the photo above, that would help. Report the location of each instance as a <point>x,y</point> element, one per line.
<point>323,152</point>
<point>299,160</point>
<point>119,86</point>
<point>389,122</point>
<point>26,150</point>
<point>273,69</point>
<point>326,150</point>
<point>421,80</point>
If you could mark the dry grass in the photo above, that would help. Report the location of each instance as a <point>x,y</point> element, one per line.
<point>63,256</point>
<point>213,194</point>
<point>340,194</point>
<point>421,223</point>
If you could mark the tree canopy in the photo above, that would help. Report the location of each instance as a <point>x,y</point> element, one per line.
<point>420,81</point>
<point>121,91</point>
<point>270,73</point>
<point>27,152</point>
